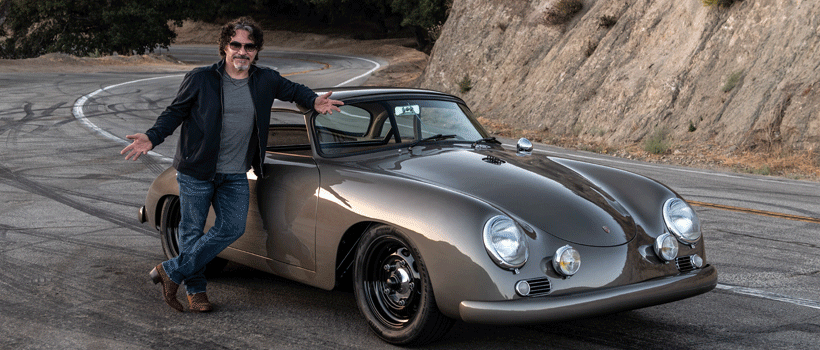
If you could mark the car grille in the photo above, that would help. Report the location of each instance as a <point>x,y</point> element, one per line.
<point>684,264</point>
<point>539,287</point>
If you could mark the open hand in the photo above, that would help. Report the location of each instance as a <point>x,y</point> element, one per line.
<point>323,104</point>
<point>141,145</point>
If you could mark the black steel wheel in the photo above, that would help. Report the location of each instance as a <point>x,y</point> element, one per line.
<point>169,234</point>
<point>393,290</point>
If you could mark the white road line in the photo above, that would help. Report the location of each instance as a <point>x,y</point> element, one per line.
<point>771,296</point>
<point>79,115</point>
<point>80,103</point>
<point>375,64</point>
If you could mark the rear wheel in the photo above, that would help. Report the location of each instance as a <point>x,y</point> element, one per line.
<point>169,234</point>
<point>393,290</point>
<point>169,227</point>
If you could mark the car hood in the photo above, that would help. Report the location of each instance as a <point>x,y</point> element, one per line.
<point>535,189</point>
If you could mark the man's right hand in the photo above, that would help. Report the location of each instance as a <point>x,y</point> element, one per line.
<point>141,145</point>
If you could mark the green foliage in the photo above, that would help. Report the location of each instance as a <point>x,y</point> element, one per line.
<point>732,81</point>
<point>422,15</point>
<point>563,11</point>
<point>84,27</point>
<point>764,170</point>
<point>466,84</point>
<point>658,142</point>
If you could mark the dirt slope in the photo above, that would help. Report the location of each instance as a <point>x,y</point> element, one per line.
<point>735,86</point>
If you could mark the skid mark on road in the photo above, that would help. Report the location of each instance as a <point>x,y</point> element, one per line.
<point>756,212</point>
<point>80,103</point>
<point>80,115</point>
<point>10,178</point>
<point>771,296</point>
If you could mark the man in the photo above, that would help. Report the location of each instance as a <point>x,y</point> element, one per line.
<point>224,110</point>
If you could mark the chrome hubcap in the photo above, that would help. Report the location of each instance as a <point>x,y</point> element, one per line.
<point>398,281</point>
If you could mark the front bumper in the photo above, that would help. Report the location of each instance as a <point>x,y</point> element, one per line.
<point>597,302</point>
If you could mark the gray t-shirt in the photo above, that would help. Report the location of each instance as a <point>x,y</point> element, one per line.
<point>237,126</point>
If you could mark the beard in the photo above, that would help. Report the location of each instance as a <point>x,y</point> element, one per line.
<point>239,66</point>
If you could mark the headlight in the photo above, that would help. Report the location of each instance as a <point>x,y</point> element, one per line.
<point>505,243</point>
<point>681,220</point>
<point>666,247</point>
<point>567,261</point>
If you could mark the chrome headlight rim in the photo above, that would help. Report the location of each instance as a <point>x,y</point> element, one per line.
<point>666,247</point>
<point>491,244</point>
<point>675,209</point>
<point>564,267</point>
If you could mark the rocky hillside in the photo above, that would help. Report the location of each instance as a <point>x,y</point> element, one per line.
<point>738,78</point>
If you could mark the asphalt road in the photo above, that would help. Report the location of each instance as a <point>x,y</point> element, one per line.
<point>74,259</point>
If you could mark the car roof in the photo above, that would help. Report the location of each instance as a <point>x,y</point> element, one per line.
<point>368,92</point>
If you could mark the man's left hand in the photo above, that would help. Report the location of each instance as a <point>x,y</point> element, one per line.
<point>323,104</point>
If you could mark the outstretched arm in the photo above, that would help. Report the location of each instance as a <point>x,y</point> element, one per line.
<point>323,104</point>
<point>140,146</point>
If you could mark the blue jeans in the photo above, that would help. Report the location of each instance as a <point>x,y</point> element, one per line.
<point>229,194</point>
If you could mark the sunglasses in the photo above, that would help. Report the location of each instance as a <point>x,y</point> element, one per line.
<point>236,46</point>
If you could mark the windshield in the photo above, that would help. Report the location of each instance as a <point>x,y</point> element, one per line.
<point>374,125</point>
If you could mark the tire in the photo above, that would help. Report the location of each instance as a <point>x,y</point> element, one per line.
<point>393,290</point>
<point>169,227</point>
<point>169,235</point>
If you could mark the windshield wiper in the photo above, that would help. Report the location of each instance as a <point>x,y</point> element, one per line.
<point>487,140</point>
<point>436,137</point>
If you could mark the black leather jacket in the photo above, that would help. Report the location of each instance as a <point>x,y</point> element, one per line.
<point>198,107</point>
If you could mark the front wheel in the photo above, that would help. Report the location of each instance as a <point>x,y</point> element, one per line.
<point>393,290</point>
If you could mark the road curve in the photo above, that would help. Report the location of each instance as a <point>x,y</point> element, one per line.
<point>74,260</point>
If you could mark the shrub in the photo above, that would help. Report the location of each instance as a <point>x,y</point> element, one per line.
<point>466,84</point>
<point>692,127</point>
<point>658,142</point>
<point>722,3</point>
<point>590,49</point>
<point>563,11</point>
<point>607,21</point>
<point>732,81</point>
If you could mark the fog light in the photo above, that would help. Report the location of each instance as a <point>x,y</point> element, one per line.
<point>666,247</point>
<point>567,261</point>
<point>522,288</point>
<point>696,260</point>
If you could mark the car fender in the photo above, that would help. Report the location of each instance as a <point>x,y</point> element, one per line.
<point>641,196</point>
<point>444,225</point>
<point>163,186</point>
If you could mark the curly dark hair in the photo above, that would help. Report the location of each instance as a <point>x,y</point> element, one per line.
<point>244,23</point>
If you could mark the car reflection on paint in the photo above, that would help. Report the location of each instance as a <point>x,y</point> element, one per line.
<point>404,197</point>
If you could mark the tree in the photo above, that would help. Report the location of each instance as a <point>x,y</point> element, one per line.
<point>422,16</point>
<point>84,27</point>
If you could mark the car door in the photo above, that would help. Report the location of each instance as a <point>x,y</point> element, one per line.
<point>282,214</point>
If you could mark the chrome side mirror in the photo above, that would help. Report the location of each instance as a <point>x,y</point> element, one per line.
<point>524,146</point>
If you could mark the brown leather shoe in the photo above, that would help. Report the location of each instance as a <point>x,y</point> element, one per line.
<point>169,287</point>
<point>199,303</point>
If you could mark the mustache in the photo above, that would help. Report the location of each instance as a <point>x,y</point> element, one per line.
<point>246,57</point>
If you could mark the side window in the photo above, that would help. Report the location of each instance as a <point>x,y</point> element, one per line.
<point>349,125</point>
<point>287,131</point>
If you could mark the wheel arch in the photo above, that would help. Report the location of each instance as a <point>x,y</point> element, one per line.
<point>158,212</point>
<point>346,253</point>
